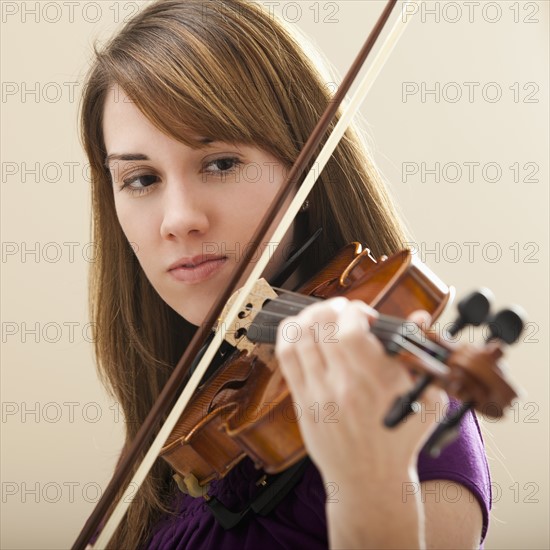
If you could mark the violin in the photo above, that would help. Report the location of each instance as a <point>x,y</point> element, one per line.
<point>245,407</point>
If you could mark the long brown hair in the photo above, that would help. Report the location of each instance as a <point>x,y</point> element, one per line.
<point>232,72</point>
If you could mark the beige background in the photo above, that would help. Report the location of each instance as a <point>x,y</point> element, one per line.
<point>60,435</point>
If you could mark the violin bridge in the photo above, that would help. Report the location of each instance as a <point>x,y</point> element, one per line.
<point>236,333</point>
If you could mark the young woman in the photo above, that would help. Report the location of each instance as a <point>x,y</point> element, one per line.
<point>191,118</point>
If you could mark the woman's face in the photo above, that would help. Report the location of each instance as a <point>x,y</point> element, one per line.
<point>189,213</point>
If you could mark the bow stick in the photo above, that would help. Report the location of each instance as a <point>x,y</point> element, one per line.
<point>171,388</point>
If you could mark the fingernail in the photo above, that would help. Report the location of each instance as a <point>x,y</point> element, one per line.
<point>369,310</point>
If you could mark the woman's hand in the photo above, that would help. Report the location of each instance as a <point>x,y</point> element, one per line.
<point>343,383</point>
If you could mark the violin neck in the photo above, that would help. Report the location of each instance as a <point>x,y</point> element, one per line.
<point>395,334</point>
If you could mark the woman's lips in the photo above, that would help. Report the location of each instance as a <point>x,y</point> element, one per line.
<point>198,273</point>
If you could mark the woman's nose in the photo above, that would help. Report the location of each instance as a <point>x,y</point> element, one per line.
<point>184,211</point>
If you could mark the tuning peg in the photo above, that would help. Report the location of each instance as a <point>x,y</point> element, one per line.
<point>472,310</point>
<point>402,406</point>
<point>507,325</point>
<point>447,430</point>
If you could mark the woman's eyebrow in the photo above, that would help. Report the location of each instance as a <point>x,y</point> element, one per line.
<point>124,156</point>
<point>139,156</point>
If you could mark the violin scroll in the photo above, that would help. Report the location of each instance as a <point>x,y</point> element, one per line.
<point>477,376</point>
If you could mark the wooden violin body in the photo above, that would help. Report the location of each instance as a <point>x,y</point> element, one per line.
<point>246,409</point>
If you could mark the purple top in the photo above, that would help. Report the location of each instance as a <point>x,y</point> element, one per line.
<point>299,521</point>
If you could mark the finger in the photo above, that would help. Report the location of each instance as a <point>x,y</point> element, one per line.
<point>316,323</point>
<point>370,313</point>
<point>291,369</point>
<point>288,360</point>
<point>353,335</point>
<point>359,356</point>
<point>387,373</point>
<point>343,347</point>
<point>297,346</point>
<point>421,318</point>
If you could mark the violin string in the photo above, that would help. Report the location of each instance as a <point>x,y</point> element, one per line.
<point>391,322</point>
<point>382,318</point>
<point>385,324</point>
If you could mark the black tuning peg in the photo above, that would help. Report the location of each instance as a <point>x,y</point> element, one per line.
<point>507,325</point>
<point>402,406</point>
<point>472,310</point>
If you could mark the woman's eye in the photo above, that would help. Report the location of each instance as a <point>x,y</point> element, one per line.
<point>138,183</point>
<point>222,165</point>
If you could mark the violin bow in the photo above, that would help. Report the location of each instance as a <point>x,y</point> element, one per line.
<point>170,391</point>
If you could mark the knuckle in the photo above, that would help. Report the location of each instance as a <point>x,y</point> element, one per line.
<point>307,317</point>
<point>326,309</point>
